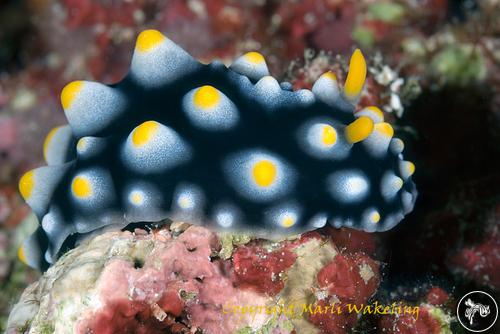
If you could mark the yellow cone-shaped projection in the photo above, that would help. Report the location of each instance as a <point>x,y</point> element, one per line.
<point>157,60</point>
<point>91,107</point>
<point>326,88</point>
<point>38,185</point>
<point>57,144</point>
<point>377,144</point>
<point>251,64</point>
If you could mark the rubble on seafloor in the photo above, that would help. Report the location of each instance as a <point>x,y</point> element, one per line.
<point>185,278</point>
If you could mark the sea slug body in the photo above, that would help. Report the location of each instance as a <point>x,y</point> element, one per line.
<point>228,147</point>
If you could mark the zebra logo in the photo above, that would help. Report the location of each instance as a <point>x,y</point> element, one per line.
<point>477,311</point>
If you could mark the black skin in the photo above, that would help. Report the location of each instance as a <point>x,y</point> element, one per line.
<point>259,127</point>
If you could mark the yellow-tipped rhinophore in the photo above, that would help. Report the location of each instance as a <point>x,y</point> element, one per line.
<point>148,39</point>
<point>356,76</point>
<point>359,130</point>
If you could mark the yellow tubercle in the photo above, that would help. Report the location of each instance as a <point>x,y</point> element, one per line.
<point>377,111</point>
<point>69,93</point>
<point>137,198</point>
<point>185,202</point>
<point>21,255</point>
<point>264,173</point>
<point>288,221</point>
<point>254,57</point>
<point>148,39</point>
<point>329,135</point>
<point>206,97</point>
<point>47,141</point>
<point>356,75</point>
<point>26,184</point>
<point>81,145</point>
<point>329,75</point>
<point>385,128</point>
<point>144,132</point>
<point>375,217</point>
<point>411,168</point>
<point>359,130</point>
<point>81,187</point>
<point>398,183</point>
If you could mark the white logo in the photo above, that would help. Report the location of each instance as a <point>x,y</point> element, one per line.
<point>477,311</point>
<point>473,308</point>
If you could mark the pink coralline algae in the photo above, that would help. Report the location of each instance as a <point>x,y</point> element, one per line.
<point>348,279</point>
<point>177,280</point>
<point>437,296</point>
<point>257,267</point>
<point>341,279</point>
<point>185,270</point>
<point>433,316</point>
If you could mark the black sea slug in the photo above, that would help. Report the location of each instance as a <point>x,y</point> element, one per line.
<point>226,147</point>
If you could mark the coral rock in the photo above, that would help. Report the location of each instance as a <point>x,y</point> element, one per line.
<point>186,279</point>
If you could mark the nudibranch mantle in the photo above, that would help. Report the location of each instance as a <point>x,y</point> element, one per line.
<point>228,147</point>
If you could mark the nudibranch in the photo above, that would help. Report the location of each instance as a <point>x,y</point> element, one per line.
<point>228,147</point>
